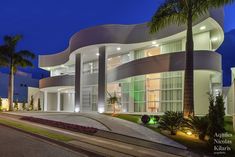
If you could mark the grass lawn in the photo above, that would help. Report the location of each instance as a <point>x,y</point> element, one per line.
<point>35,130</point>
<point>192,142</point>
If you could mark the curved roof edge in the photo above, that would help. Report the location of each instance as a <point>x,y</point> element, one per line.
<point>121,34</point>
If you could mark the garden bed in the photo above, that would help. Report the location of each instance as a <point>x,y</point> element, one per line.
<point>62,125</point>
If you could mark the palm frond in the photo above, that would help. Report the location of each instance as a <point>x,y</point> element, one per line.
<point>170,12</point>
<point>26,53</point>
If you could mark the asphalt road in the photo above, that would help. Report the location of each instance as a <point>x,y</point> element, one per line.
<point>14,143</point>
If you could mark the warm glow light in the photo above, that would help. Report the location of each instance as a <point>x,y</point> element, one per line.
<point>97,54</point>
<point>77,109</point>
<point>119,48</point>
<point>202,28</point>
<point>189,133</point>
<point>154,42</point>
<point>101,109</point>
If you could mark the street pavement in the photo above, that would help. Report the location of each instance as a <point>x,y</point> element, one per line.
<point>14,143</point>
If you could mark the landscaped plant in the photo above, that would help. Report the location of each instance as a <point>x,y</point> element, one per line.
<point>113,100</point>
<point>16,107</point>
<point>145,119</point>
<point>23,105</point>
<point>31,103</point>
<point>215,117</point>
<point>171,121</point>
<point>67,126</point>
<point>12,59</point>
<point>184,12</point>
<point>39,105</point>
<point>197,125</point>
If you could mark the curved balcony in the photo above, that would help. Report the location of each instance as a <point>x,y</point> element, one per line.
<point>63,80</point>
<point>203,60</point>
<point>124,34</point>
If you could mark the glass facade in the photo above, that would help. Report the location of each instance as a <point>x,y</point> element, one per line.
<point>150,93</point>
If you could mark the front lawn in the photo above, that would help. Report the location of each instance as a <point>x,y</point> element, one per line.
<point>35,130</point>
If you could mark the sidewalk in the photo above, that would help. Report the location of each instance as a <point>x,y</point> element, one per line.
<point>108,147</point>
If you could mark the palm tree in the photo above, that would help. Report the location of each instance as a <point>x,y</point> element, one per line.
<point>14,59</point>
<point>184,12</point>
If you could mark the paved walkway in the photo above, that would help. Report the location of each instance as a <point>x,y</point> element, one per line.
<point>106,123</point>
<point>16,144</point>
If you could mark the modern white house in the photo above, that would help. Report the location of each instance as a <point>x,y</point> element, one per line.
<point>146,71</point>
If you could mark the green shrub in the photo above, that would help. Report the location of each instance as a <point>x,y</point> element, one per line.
<point>16,107</point>
<point>145,119</point>
<point>39,105</point>
<point>198,125</point>
<point>31,103</point>
<point>23,105</point>
<point>215,117</point>
<point>171,121</point>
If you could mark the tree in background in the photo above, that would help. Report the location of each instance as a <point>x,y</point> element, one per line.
<point>183,12</point>
<point>14,59</point>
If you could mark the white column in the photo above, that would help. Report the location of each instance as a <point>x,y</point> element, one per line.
<point>58,101</point>
<point>45,101</point>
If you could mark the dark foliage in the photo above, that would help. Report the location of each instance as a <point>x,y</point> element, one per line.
<point>171,121</point>
<point>62,125</point>
<point>145,119</point>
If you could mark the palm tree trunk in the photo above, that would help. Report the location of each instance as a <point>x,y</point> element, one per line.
<point>11,89</point>
<point>188,108</point>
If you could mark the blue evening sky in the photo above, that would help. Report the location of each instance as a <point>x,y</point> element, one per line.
<point>47,25</point>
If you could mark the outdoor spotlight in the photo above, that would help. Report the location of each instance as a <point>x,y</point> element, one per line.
<point>101,109</point>
<point>77,109</point>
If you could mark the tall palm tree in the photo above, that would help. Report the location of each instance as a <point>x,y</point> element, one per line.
<point>14,59</point>
<point>184,12</point>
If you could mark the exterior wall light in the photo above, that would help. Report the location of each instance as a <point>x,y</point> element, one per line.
<point>154,42</point>
<point>202,28</point>
<point>214,39</point>
<point>119,48</point>
<point>97,54</point>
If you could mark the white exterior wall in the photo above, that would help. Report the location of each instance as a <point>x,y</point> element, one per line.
<point>68,100</point>
<point>51,101</point>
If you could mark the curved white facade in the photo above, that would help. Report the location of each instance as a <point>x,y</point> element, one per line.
<point>145,71</point>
